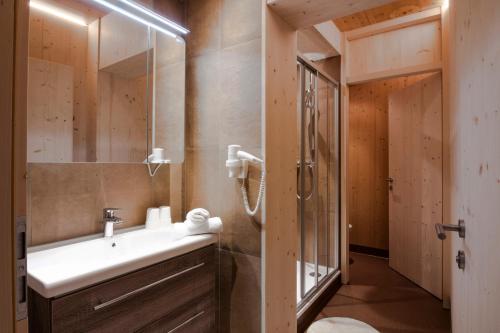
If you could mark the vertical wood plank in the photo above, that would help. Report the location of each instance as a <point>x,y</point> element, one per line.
<point>415,164</point>
<point>20,121</point>
<point>447,256</point>
<point>344,160</point>
<point>474,134</point>
<point>7,33</point>
<point>280,103</point>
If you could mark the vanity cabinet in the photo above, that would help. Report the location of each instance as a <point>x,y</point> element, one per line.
<point>177,295</point>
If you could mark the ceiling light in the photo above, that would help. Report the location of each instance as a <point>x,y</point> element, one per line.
<point>57,12</point>
<point>155,16</point>
<point>135,17</point>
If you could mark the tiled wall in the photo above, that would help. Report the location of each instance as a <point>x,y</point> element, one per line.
<point>66,200</point>
<point>224,107</point>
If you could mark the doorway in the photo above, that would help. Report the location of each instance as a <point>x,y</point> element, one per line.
<point>395,175</point>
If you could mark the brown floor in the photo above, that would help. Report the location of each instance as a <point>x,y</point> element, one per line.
<point>379,296</point>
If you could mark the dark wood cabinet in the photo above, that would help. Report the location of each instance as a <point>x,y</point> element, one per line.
<point>177,295</point>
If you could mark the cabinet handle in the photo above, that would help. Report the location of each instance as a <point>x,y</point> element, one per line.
<point>186,322</point>
<point>137,291</point>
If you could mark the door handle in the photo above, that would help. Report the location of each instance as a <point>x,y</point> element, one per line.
<point>442,228</point>
<point>390,182</point>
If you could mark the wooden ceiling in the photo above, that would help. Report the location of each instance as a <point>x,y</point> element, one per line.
<point>306,13</point>
<point>383,13</point>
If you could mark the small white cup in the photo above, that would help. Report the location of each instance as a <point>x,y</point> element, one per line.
<point>153,218</point>
<point>158,155</point>
<point>165,217</point>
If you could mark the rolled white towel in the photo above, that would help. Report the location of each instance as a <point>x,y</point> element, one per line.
<point>198,216</point>
<point>214,225</point>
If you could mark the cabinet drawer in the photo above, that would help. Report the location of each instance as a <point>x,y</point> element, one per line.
<point>196,316</point>
<point>134,301</point>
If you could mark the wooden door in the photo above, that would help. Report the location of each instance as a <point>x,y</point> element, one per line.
<point>474,143</point>
<point>415,165</point>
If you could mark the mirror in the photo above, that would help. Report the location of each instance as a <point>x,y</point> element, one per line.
<point>102,87</point>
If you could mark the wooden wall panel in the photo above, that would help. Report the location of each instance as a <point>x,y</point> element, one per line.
<point>54,40</point>
<point>280,209</point>
<point>121,119</point>
<point>50,112</point>
<point>393,51</point>
<point>383,13</point>
<point>117,46</point>
<point>475,162</point>
<point>7,33</point>
<point>368,160</point>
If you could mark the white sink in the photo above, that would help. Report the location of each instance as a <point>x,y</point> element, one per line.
<point>63,269</point>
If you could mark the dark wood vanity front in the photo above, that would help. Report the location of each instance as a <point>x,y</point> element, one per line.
<point>176,295</point>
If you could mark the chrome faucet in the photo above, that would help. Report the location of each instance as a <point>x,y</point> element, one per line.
<point>109,220</point>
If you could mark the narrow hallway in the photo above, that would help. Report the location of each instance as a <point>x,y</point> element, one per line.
<point>379,296</point>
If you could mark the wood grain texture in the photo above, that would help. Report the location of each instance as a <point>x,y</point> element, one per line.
<point>7,35</point>
<point>368,163</point>
<point>117,46</point>
<point>300,14</point>
<point>156,309</point>
<point>383,13</point>
<point>475,162</point>
<point>57,41</point>
<point>122,127</point>
<point>344,159</point>
<point>280,204</point>
<point>397,50</point>
<point>445,76</point>
<point>309,40</point>
<point>415,164</point>
<point>50,112</point>
<point>433,14</point>
<point>368,160</point>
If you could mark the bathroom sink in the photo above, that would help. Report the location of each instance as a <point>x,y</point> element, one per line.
<point>58,270</point>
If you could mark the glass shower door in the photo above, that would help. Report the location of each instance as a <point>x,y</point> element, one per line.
<point>317,181</point>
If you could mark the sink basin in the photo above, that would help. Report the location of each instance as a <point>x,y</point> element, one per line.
<point>63,269</point>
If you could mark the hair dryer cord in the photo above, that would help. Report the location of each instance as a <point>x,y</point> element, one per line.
<point>244,193</point>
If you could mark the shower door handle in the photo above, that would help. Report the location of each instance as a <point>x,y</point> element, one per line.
<point>310,166</point>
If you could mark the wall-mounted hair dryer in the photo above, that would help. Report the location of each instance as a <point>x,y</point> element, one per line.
<point>237,165</point>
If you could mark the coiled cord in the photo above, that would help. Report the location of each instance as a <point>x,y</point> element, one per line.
<point>244,193</point>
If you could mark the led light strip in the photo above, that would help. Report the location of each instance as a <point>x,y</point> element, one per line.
<point>156,16</point>
<point>54,11</point>
<point>135,17</point>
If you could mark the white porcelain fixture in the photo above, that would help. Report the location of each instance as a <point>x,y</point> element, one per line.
<point>56,271</point>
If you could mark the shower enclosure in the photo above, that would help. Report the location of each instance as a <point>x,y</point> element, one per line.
<point>317,182</point>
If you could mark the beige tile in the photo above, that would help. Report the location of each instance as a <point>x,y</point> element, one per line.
<point>241,21</point>
<point>241,232</point>
<point>69,179</point>
<point>204,22</point>
<point>66,201</point>
<point>160,184</point>
<point>202,183</point>
<point>203,100</point>
<point>62,217</point>
<point>240,293</point>
<point>241,95</point>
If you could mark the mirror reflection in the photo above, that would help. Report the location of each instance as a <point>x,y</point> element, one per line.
<point>103,87</point>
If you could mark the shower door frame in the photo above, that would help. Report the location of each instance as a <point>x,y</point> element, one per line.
<point>308,296</point>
